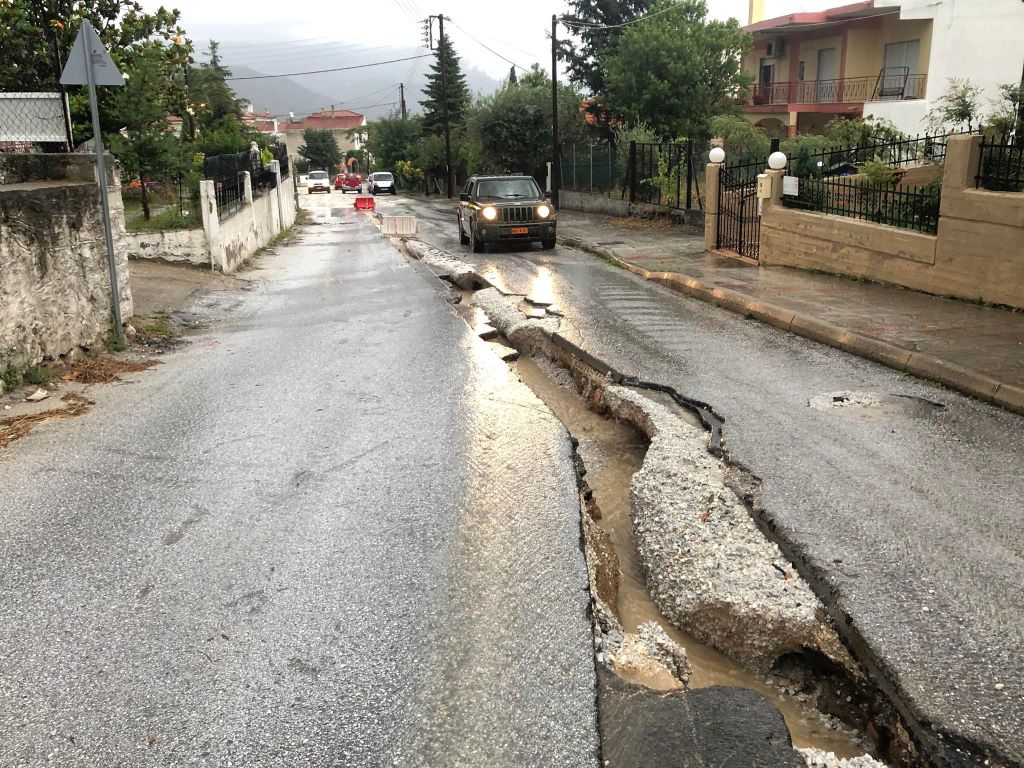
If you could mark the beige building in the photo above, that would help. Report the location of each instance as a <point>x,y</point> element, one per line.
<point>887,58</point>
<point>340,122</point>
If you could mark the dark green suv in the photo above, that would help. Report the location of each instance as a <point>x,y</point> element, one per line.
<point>505,209</point>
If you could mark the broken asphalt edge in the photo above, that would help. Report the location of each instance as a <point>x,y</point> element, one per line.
<point>949,374</point>
<point>939,745</point>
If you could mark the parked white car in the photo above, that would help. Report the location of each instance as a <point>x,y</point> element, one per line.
<point>318,181</point>
<point>381,182</point>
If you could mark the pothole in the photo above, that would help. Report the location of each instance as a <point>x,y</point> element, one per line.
<point>873,406</point>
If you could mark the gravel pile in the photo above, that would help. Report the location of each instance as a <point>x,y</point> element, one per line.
<point>817,758</point>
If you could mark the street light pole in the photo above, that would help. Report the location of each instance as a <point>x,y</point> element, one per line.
<point>556,159</point>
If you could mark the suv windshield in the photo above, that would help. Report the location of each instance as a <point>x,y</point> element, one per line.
<point>508,188</point>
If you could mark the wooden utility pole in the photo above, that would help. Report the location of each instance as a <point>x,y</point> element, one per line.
<point>556,154</point>
<point>449,182</point>
<point>401,100</point>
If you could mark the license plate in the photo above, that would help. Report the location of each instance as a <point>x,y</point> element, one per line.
<point>520,230</point>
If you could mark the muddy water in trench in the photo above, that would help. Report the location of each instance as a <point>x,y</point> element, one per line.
<point>613,452</point>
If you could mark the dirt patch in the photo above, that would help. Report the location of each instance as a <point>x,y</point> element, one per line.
<point>104,370</point>
<point>16,427</point>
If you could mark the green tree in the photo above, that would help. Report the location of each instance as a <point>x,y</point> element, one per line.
<point>36,37</point>
<point>677,69</point>
<point>391,139</point>
<point>211,99</point>
<point>1002,120</point>
<point>458,93</point>
<point>321,149</point>
<point>144,145</point>
<point>511,129</point>
<point>958,107</point>
<point>596,27</point>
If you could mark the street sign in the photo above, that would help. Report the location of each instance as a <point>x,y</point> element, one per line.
<point>89,63</point>
<point>104,70</point>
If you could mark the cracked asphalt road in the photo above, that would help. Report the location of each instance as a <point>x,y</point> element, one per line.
<point>306,538</point>
<point>910,519</point>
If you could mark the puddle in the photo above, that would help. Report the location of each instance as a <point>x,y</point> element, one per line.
<point>871,406</point>
<point>613,452</point>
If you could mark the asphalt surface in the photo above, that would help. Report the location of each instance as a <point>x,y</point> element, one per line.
<point>909,517</point>
<point>334,530</point>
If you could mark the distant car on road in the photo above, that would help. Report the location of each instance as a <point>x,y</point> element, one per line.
<point>505,209</point>
<point>318,181</point>
<point>382,182</point>
<point>348,181</point>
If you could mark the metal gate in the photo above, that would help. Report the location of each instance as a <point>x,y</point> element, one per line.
<point>739,225</point>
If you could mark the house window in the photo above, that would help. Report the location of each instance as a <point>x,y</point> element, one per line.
<point>803,70</point>
<point>900,65</point>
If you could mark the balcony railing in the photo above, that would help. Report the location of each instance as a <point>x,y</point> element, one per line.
<point>848,90</point>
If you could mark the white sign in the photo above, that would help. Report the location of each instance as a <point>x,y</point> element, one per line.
<point>104,72</point>
<point>790,186</point>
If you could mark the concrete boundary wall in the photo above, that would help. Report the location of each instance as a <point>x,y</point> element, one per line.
<point>977,253</point>
<point>223,245</point>
<point>54,278</point>
<point>610,206</point>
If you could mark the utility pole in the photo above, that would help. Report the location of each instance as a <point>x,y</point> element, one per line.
<point>556,155</point>
<point>443,53</point>
<point>401,100</point>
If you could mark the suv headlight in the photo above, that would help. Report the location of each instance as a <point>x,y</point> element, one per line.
<point>543,211</point>
<point>490,213</point>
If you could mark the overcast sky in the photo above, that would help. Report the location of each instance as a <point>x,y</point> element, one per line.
<point>278,37</point>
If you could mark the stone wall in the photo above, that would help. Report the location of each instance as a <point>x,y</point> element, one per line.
<point>54,278</point>
<point>174,245</point>
<point>613,206</point>
<point>977,253</point>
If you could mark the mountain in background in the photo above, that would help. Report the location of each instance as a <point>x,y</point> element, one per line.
<point>372,91</point>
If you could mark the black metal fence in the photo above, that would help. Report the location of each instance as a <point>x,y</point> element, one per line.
<point>667,174</point>
<point>34,121</point>
<point>1001,167</point>
<point>228,174</point>
<point>914,208</point>
<point>900,153</point>
<point>597,169</point>
<point>173,203</point>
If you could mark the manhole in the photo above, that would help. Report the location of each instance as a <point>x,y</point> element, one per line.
<point>873,405</point>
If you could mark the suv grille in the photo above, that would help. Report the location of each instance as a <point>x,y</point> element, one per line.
<point>518,214</point>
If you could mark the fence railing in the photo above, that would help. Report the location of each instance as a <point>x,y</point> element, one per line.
<point>899,153</point>
<point>230,194</point>
<point>1001,167</point>
<point>35,121</point>
<point>846,90</point>
<point>597,169</point>
<point>228,174</point>
<point>173,203</point>
<point>666,174</point>
<point>915,208</point>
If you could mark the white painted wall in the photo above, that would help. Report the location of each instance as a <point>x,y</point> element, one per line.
<point>980,40</point>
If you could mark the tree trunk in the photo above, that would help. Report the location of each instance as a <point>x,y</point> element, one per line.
<point>145,198</point>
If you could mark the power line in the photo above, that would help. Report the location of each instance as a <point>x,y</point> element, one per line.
<point>310,52</point>
<point>333,69</point>
<point>487,47</point>
<point>595,27</point>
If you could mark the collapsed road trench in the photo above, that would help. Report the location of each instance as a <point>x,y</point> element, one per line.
<point>613,451</point>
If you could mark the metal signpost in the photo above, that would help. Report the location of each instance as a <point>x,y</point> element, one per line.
<point>89,63</point>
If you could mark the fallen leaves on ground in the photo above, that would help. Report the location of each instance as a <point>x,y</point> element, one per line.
<point>103,370</point>
<point>16,427</point>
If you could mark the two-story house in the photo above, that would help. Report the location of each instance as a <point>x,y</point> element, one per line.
<point>340,122</point>
<point>886,58</point>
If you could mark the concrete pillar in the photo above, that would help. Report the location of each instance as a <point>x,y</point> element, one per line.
<point>960,169</point>
<point>275,166</point>
<point>711,206</point>
<point>248,188</point>
<point>211,222</point>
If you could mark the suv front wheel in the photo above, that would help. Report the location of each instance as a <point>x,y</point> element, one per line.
<point>475,243</point>
<point>463,237</point>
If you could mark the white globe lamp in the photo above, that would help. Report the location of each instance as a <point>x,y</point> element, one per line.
<point>777,161</point>
<point>717,155</point>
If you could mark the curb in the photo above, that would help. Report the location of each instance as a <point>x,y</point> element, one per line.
<point>957,377</point>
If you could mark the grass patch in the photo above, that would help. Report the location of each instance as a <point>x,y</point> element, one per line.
<point>157,327</point>
<point>10,377</point>
<point>39,375</point>
<point>167,219</point>
<point>114,343</point>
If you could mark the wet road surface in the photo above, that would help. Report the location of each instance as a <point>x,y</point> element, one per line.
<point>910,517</point>
<point>303,540</point>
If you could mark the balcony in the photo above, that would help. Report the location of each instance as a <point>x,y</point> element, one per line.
<point>887,86</point>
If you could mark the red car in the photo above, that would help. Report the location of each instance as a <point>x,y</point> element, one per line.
<point>348,181</point>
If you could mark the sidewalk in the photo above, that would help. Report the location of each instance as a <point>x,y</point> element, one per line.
<point>975,349</point>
